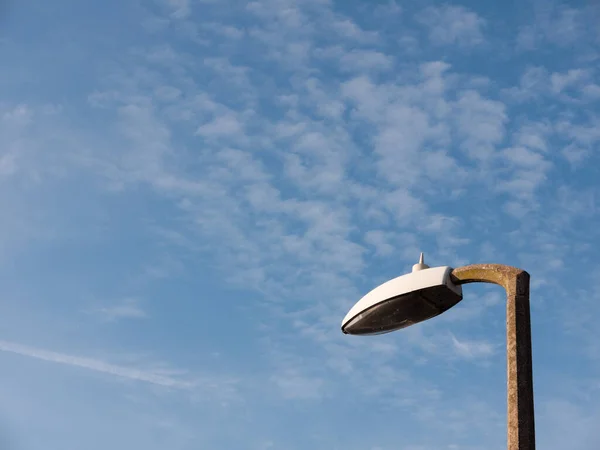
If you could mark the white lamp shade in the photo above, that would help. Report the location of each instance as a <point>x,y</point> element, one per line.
<point>403,301</point>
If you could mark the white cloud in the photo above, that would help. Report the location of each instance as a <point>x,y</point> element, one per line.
<point>380,241</point>
<point>20,116</point>
<point>527,166</point>
<point>559,81</point>
<point>534,136</point>
<point>231,74</point>
<point>472,349</point>
<point>580,140</point>
<point>162,55</point>
<point>129,308</point>
<point>167,93</point>
<point>524,158</point>
<point>225,125</point>
<point>570,87</point>
<point>574,154</point>
<point>559,25</point>
<point>348,29</point>
<point>8,164</point>
<point>452,25</point>
<point>591,92</point>
<point>181,9</point>
<point>533,82</point>
<point>481,124</point>
<point>228,31</point>
<point>389,9</point>
<point>364,60</point>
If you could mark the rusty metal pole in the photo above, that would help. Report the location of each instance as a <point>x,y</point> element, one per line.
<point>521,427</point>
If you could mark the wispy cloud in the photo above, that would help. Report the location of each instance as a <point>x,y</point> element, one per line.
<point>452,25</point>
<point>129,308</point>
<point>295,154</point>
<point>472,349</point>
<point>180,8</point>
<point>295,386</point>
<point>554,23</point>
<point>134,374</point>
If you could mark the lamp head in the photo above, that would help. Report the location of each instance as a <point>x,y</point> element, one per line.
<point>404,301</point>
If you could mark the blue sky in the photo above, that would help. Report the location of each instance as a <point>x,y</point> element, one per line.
<point>195,192</point>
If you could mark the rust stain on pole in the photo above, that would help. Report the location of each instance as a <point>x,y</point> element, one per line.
<point>521,426</point>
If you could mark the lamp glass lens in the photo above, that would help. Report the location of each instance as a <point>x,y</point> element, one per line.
<point>390,315</point>
<point>402,311</point>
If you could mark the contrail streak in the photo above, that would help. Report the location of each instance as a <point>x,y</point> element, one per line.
<point>96,365</point>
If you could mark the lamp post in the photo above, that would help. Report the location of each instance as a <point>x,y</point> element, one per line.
<point>428,292</point>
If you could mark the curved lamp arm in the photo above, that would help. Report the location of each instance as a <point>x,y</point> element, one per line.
<point>521,426</point>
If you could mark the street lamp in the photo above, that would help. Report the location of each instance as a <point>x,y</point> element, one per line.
<point>428,292</point>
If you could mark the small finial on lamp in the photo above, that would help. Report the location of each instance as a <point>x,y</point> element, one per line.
<point>421,265</point>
